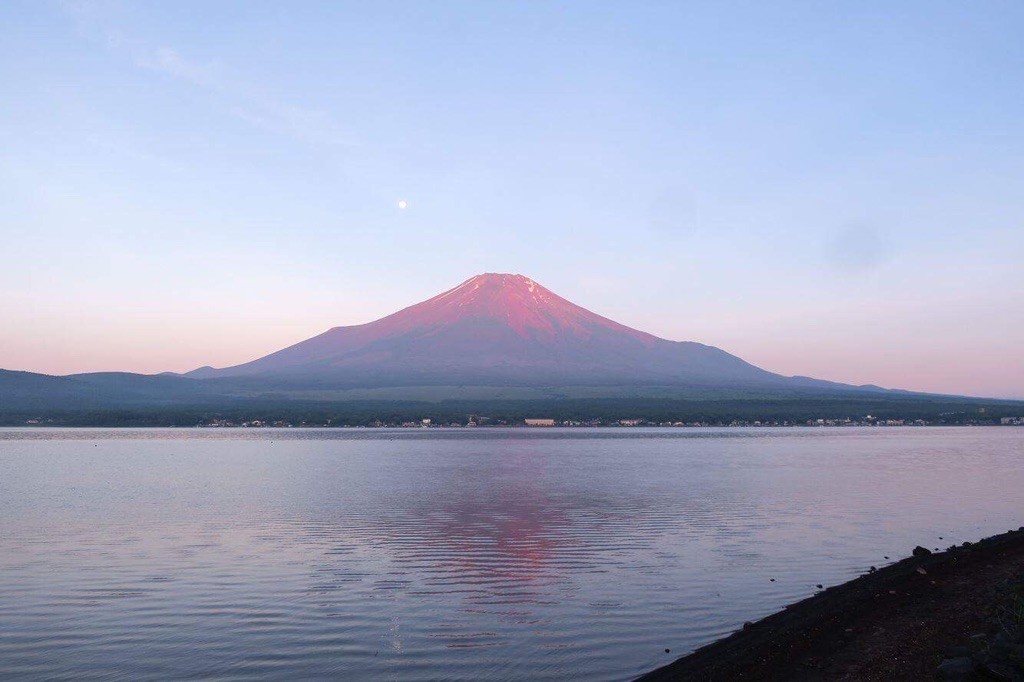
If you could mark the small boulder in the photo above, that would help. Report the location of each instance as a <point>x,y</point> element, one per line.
<point>1002,644</point>
<point>920,551</point>
<point>960,668</point>
<point>999,670</point>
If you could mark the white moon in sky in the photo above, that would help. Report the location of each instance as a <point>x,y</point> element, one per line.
<point>402,203</point>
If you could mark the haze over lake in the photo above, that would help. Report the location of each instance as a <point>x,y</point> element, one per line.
<point>454,554</point>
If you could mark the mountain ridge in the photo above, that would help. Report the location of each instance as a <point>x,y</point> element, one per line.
<point>495,328</point>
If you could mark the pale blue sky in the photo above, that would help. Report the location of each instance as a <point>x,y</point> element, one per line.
<point>831,189</point>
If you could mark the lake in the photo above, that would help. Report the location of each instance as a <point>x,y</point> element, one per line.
<point>469,554</point>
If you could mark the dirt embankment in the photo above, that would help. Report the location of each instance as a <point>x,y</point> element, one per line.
<point>955,609</point>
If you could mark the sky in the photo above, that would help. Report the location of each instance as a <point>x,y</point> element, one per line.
<point>830,189</point>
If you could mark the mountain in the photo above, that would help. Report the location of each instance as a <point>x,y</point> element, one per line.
<point>496,344</point>
<point>497,329</point>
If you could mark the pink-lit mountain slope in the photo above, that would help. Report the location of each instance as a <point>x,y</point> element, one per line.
<point>497,329</point>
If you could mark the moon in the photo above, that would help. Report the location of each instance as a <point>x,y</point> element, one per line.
<point>402,203</point>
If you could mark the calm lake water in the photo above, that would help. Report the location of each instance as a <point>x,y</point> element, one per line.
<point>463,554</point>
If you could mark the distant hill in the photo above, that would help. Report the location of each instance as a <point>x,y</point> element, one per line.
<point>30,391</point>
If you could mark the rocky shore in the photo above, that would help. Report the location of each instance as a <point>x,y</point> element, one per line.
<point>951,615</point>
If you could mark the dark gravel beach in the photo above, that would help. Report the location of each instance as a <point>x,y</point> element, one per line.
<point>954,615</point>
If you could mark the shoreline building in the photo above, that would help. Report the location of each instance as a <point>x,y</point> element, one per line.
<point>540,422</point>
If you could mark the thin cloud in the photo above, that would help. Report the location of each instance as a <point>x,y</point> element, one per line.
<point>257,107</point>
<point>170,62</point>
<point>306,124</point>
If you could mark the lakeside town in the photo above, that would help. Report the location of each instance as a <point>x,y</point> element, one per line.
<point>543,422</point>
<point>729,415</point>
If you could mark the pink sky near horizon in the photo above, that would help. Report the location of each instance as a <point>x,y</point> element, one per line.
<point>911,350</point>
